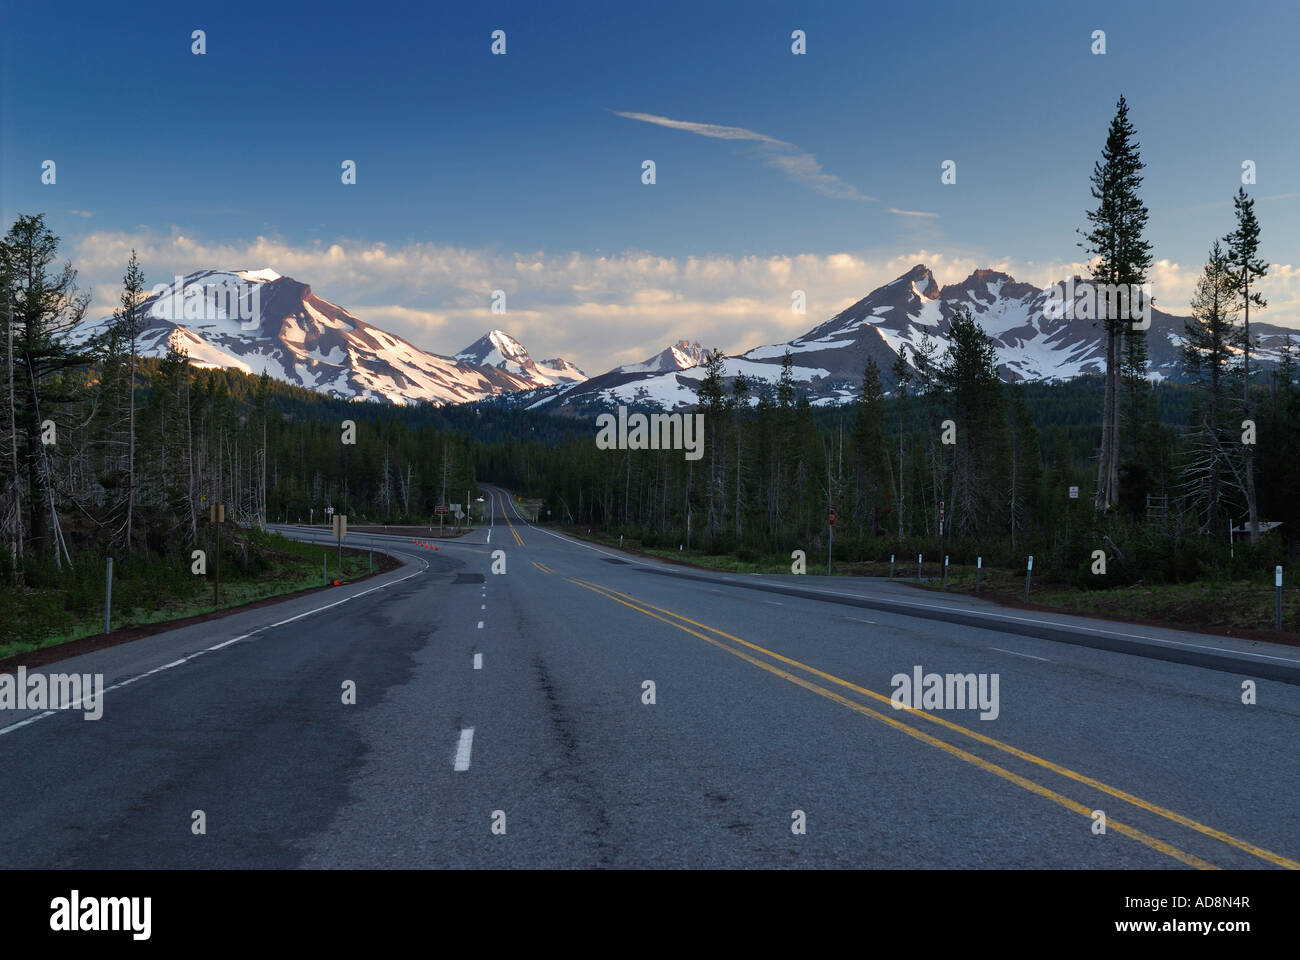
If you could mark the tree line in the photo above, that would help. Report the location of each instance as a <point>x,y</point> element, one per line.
<point>103,450</point>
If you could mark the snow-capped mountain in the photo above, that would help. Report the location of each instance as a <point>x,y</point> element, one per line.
<point>500,350</point>
<point>1032,343</point>
<point>681,355</point>
<point>258,320</point>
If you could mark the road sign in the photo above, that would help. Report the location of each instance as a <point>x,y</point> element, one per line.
<point>217,513</point>
<point>1074,493</point>
<point>340,524</point>
<point>832,517</point>
<point>441,508</point>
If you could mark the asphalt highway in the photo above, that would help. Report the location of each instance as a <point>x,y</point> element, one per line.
<point>582,707</point>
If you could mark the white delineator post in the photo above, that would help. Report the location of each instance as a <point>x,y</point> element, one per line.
<point>108,595</point>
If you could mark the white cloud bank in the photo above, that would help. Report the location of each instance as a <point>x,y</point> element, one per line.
<point>598,311</point>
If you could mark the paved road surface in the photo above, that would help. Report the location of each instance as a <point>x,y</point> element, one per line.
<point>501,721</point>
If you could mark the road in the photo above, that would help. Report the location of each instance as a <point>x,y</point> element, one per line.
<point>588,708</point>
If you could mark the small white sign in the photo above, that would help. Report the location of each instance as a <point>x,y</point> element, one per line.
<point>1074,493</point>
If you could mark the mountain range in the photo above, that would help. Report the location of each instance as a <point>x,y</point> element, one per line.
<point>1031,343</point>
<point>300,338</point>
<point>303,339</point>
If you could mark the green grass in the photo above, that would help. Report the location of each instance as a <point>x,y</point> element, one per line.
<point>59,606</point>
<point>1231,605</point>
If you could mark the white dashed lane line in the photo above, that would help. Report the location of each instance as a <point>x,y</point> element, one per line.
<point>463,749</point>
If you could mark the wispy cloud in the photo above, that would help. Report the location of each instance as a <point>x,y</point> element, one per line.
<point>797,164</point>
<point>912,213</point>
<point>81,213</point>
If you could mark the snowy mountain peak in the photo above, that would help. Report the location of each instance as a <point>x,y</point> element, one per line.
<point>259,321</point>
<point>919,281</point>
<point>259,276</point>
<point>828,361</point>
<point>681,355</point>
<point>498,349</point>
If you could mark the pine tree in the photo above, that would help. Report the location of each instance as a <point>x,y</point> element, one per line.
<point>902,377</point>
<point>45,305</point>
<point>1211,341</point>
<point>1243,247</point>
<point>872,504</point>
<point>127,322</point>
<point>1026,464</point>
<point>1123,259</point>
<point>969,375</point>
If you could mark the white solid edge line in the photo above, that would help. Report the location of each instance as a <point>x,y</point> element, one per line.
<point>480,625</point>
<point>243,636</point>
<point>23,723</point>
<point>478,661</point>
<point>981,613</point>
<point>463,748</point>
<point>1016,653</point>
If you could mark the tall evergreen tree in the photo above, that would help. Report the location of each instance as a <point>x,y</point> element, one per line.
<point>872,505</point>
<point>1123,258</point>
<point>1211,344</point>
<point>902,377</point>
<point>969,375</point>
<point>1246,266</point>
<point>46,305</point>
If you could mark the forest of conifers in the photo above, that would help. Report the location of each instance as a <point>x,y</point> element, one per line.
<point>129,474</point>
<point>107,453</point>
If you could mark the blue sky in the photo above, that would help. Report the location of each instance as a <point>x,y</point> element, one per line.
<point>477,171</point>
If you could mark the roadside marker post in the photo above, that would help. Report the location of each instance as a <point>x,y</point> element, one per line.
<point>340,531</point>
<point>945,571</point>
<point>217,514</point>
<point>830,544</point>
<point>1277,579</point>
<point>891,566</point>
<point>1029,572</point>
<point>979,563</point>
<point>918,568</point>
<point>108,595</point>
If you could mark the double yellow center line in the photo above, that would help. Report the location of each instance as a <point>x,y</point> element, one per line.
<point>701,630</point>
<point>505,513</point>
